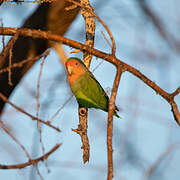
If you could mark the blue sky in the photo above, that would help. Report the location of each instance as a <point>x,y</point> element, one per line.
<point>147,126</point>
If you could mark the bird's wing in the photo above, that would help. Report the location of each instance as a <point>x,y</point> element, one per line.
<point>92,91</point>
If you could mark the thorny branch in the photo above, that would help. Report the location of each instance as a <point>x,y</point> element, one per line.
<point>31,162</point>
<point>47,123</point>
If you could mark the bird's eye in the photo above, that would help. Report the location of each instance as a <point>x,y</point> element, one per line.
<point>76,64</point>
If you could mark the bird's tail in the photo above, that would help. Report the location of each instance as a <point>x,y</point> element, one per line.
<point>115,112</point>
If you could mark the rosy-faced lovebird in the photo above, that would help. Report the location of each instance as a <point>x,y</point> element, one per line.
<point>87,90</point>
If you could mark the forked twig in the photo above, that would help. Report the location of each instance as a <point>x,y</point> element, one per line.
<point>47,123</point>
<point>38,107</point>
<point>90,10</point>
<point>31,162</point>
<point>20,64</point>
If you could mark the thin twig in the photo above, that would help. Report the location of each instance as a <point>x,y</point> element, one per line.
<point>10,57</point>
<point>20,145</point>
<point>38,88</point>
<point>110,122</point>
<point>176,92</point>
<point>10,64</point>
<point>57,112</point>
<point>9,46</point>
<point>90,10</point>
<point>26,113</point>
<point>31,162</point>
<point>175,111</point>
<point>20,64</point>
<point>38,107</point>
<point>3,126</point>
<point>106,39</point>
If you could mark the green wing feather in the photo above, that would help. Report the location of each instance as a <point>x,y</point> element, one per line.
<point>90,94</point>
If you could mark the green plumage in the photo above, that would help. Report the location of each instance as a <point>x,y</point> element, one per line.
<point>88,92</point>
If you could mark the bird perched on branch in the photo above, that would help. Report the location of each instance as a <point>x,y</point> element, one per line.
<point>87,90</point>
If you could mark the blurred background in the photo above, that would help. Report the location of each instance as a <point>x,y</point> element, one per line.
<point>147,38</point>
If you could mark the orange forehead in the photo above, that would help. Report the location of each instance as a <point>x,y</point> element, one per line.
<point>71,63</point>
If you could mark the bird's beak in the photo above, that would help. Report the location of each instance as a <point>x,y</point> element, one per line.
<point>69,70</point>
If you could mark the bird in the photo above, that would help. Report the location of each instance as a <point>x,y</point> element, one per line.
<point>87,90</point>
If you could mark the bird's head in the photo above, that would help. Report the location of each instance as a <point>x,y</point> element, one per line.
<point>74,66</point>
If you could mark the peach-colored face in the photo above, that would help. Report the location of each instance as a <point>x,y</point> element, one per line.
<point>72,65</point>
<point>74,69</point>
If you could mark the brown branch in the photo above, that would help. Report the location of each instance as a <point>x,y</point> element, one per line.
<point>91,11</point>
<point>20,145</point>
<point>31,162</point>
<point>90,29</point>
<point>7,48</point>
<point>3,126</point>
<point>87,57</point>
<point>26,113</point>
<point>38,107</point>
<point>12,42</point>
<point>9,70</point>
<point>106,39</point>
<point>175,111</point>
<point>176,92</point>
<point>110,122</point>
<point>20,64</point>
<point>53,19</point>
<point>82,131</point>
<point>95,52</point>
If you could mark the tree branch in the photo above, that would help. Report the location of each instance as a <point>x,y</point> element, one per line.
<point>87,57</point>
<point>21,63</point>
<point>110,122</point>
<point>90,11</point>
<point>47,123</point>
<point>108,57</point>
<point>31,162</point>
